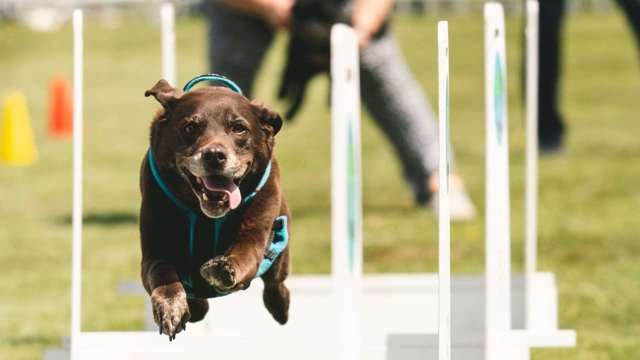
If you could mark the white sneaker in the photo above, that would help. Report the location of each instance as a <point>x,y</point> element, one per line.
<point>461,206</point>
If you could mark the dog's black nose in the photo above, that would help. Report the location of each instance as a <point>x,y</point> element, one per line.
<point>214,157</point>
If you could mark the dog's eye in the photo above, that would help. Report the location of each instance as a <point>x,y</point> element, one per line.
<point>238,128</point>
<point>189,128</point>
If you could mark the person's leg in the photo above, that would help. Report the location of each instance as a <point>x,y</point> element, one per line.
<point>632,11</point>
<point>237,45</point>
<point>551,126</point>
<point>400,108</point>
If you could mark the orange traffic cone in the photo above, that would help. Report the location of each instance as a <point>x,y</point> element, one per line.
<point>60,108</point>
<point>17,146</point>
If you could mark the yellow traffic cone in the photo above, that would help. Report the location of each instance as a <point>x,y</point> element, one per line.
<point>17,146</point>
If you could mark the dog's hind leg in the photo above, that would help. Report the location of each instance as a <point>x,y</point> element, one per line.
<point>198,309</point>
<point>276,294</point>
<point>276,300</point>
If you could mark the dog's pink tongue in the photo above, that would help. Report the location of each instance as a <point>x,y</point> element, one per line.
<point>226,186</point>
<point>234,197</point>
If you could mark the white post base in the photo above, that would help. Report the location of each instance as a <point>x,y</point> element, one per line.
<point>517,344</point>
<point>408,303</point>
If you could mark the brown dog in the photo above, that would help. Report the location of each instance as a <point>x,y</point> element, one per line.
<point>213,216</point>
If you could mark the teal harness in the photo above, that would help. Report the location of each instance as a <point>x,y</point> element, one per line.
<point>279,238</point>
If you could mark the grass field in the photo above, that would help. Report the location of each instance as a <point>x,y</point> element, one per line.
<point>589,228</point>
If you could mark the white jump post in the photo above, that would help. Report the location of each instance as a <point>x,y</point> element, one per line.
<point>444,225</point>
<point>498,237</point>
<point>76,255</point>
<point>531,185</point>
<point>346,197</point>
<point>168,23</point>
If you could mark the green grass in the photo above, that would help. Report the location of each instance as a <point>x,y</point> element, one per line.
<point>589,198</point>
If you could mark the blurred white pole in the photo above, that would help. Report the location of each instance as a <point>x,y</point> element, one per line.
<point>76,253</point>
<point>498,236</point>
<point>346,197</point>
<point>531,187</point>
<point>168,24</point>
<point>444,220</point>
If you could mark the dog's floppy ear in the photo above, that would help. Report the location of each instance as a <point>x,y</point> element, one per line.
<point>164,93</point>
<point>270,120</point>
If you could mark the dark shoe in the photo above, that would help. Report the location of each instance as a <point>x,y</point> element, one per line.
<point>551,145</point>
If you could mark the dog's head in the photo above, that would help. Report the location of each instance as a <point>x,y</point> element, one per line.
<point>216,140</point>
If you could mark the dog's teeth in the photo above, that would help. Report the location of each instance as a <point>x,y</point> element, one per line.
<point>204,196</point>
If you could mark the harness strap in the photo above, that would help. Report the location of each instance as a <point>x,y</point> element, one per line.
<point>163,186</point>
<point>279,242</point>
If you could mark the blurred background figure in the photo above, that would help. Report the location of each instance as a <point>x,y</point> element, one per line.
<point>552,126</point>
<point>241,31</point>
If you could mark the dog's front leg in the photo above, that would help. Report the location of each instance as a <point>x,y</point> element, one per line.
<point>168,297</point>
<point>235,270</point>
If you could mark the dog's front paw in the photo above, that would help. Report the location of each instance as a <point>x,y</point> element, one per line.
<point>220,272</point>
<point>170,309</point>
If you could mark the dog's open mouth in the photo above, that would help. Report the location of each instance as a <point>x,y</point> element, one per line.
<point>216,193</point>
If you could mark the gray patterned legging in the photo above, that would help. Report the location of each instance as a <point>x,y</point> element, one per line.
<point>389,90</point>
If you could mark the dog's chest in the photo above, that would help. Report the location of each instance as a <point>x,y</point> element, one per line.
<point>199,240</point>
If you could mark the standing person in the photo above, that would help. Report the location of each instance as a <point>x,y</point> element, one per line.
<point>241,31</point>
<point>551,123</point>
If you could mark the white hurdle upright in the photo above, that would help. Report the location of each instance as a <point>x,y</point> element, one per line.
<point>503,341</point>
<point>346,197</point>
<point>168,41</point>
<point>444,216</point>
<point>498,225</point>
<point>531,175</point>
<point>76,266</point>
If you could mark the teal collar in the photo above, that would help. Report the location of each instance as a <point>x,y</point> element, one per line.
<point>215,78</point>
